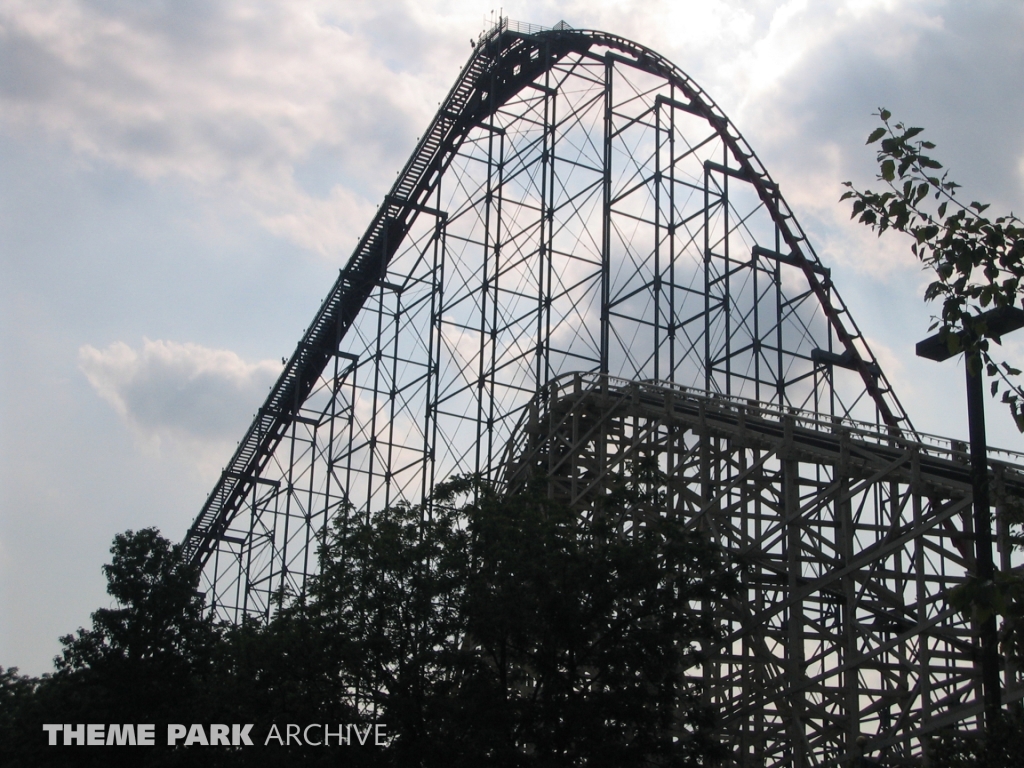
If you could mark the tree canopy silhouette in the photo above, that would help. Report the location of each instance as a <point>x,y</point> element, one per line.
<point>482,629</point>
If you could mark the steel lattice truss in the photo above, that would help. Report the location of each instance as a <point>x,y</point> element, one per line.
<point>578,204</point>
<point>850,537</point>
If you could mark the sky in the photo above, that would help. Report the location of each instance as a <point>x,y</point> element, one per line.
<point>180,182</point>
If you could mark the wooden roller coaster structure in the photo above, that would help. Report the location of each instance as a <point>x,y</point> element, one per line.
<point>583,262</point>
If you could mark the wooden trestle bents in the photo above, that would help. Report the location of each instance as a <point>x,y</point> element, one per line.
<point>579,204</point>
<point>851,538</point>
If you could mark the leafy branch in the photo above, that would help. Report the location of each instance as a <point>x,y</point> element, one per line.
<point>978,261</point>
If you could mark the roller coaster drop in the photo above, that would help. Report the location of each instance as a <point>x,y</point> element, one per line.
<point>583,263</point>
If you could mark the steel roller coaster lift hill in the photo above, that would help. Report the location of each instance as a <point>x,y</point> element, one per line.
<point>582,264</point>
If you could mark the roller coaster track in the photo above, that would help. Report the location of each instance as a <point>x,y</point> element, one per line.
<point>842,629</point>
<point>503,63</point>
<point>584,263</point>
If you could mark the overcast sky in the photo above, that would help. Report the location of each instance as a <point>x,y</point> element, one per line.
<point>181,180</point>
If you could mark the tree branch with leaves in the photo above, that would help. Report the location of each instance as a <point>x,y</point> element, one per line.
<point>978,261</point>
<point>979,265</point>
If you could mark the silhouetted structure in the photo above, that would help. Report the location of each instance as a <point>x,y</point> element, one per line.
<point>582,264</point>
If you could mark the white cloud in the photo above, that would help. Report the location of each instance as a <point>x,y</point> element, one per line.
<point>328,226</point>
<point>300,113</point>
<point>923,60</point>
<point>186,395</point>
<point>296,116</point>
<point>271,106</point>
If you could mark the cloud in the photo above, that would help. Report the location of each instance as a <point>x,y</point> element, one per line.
<point>929,62</point>
<point>300,113</point>
<point>325,226</point>
<point>209,91</point>
<point>805,86</point>
<point>182,393</point>
<point>274,107</point>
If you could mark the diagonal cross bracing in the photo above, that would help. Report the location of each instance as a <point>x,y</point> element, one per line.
<point>842,621</point>
<point>578,204</point>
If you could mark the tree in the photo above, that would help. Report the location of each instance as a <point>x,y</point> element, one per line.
<point>385,610</point>
<point>17,693</point>
<point>979,265</point>
<point>158,630</point>
<point>143,661</point>
<point>507,631</point>
<point>481,629</point>
<point>1001,747</point>
<point>586,628</point>
<point>978,262</point>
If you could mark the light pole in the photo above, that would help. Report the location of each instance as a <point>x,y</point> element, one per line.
<point>998,322</point>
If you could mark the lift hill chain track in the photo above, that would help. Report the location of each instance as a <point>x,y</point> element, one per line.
<point>503,63</point>
<point>578,204</point>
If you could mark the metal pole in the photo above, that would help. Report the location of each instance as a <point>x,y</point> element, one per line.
<point>984,568</point>
<point>998,322</point>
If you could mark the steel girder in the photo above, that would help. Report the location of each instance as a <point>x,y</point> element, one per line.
<point>577,204</point>
<point>851,538</point>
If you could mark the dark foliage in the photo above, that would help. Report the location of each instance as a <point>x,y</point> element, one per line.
<point>495,631</point>
<point>978,262</point>
<point>144,661</point>
<point>1002,747</point>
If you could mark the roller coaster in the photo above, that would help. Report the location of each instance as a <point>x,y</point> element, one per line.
<point>583,264</point>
